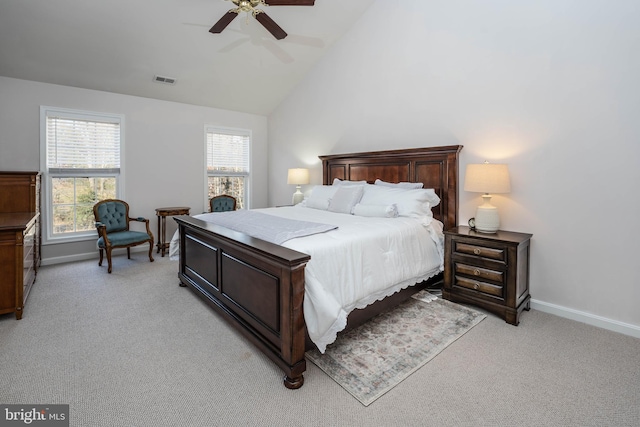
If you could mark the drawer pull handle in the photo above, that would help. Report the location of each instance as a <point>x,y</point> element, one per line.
<point>476,251</point>
<point>476,272</point>
<point>476,286</point>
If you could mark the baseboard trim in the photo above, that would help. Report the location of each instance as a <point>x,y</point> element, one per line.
<point>88,255</point>
<point>588,318</point>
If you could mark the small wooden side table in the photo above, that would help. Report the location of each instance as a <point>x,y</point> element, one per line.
<point>488,270</point>
<point>162,214</point>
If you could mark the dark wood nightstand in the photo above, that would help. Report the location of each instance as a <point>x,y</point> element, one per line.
<point>488,270</point>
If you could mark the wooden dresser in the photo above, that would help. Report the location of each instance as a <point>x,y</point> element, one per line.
<point>20,238</point>
<point>488,270</point>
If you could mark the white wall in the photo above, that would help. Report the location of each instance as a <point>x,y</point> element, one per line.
<point>164,147</point>
<point>549,87</point>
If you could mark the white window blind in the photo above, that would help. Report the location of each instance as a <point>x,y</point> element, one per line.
<point>82,145</point>
<point>228,153</point>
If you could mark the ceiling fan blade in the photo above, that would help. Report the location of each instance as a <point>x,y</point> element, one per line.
<point>271,25</point>
<point>223,22</point>
<point>290,2</point>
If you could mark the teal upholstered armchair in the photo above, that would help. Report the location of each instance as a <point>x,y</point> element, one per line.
<point>222,203</point>
<point>112,223</point>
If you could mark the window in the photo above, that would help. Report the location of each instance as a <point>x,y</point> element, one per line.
<point>228,164</point>
<point>81,151</point>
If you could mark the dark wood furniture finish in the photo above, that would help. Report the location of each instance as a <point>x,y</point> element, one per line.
<point>488,270</point>
<point>436,167</point>
<point>17,260</point>
<point>20,238</point>
<point>259,287</point>
<point>162,214</point>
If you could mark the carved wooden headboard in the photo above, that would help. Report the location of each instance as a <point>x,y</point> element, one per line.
<point>435,167</point>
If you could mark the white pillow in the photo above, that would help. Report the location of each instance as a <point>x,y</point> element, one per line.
<point>346,198</point>
<point>320,197</point>
<point>407,185</point>
<point>322,204</point>
<point>411,203</point>
<point>380,211</point>
<point>337,181</point>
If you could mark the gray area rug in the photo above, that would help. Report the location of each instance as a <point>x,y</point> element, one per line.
<point>375,357</point>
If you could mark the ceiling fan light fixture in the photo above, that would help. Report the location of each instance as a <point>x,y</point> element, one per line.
<point>249,6</point>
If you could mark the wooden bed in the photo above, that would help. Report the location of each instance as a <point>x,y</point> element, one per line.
<point>258,287</point>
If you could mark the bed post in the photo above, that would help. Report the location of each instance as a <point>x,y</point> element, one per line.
<point>293,341</point>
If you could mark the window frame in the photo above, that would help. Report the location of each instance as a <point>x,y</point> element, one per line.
<point>247,177</point>
<point>48,237</point>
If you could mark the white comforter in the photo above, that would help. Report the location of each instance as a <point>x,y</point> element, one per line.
<point>364,260</point>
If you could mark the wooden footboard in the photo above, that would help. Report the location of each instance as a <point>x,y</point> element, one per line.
<point>258,287</point>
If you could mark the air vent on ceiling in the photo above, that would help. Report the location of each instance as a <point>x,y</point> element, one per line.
<point>165,80</point>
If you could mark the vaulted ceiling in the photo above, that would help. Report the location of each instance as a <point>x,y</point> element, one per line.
<point>121,45</point>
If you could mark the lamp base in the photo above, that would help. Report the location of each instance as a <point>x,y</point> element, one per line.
<point>297,196</point>
<point>487,219</point>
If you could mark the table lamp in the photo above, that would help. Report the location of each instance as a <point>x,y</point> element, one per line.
<point>487,178</point>
<point>298,177</point>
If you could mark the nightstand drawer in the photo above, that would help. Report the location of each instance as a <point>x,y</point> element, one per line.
<point>481,251</point>
<point>478,272</point>
<point>483,287</point>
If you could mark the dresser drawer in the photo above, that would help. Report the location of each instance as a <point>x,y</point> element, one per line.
<point>498,254</point>
<point>479,279</point>
<point>28,244</point>
<point>28,263</point>
<point>480,286</point>
<point>475,272</point>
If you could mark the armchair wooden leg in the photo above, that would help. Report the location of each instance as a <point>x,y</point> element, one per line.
<point>129,253</point>
<point>109,259</point>
<point>100,262</point>
<point>151,251</point>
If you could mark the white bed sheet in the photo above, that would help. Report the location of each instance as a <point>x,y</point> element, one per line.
<point>366,259</point>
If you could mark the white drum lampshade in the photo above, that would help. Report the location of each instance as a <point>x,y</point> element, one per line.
<point>298,177</point>
<point>487,178</point>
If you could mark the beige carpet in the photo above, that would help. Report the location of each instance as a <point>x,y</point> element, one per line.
<point>372,359</point>
<point>133,348</point>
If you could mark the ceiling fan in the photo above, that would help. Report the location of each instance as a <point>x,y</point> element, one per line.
<point>250,6</point>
